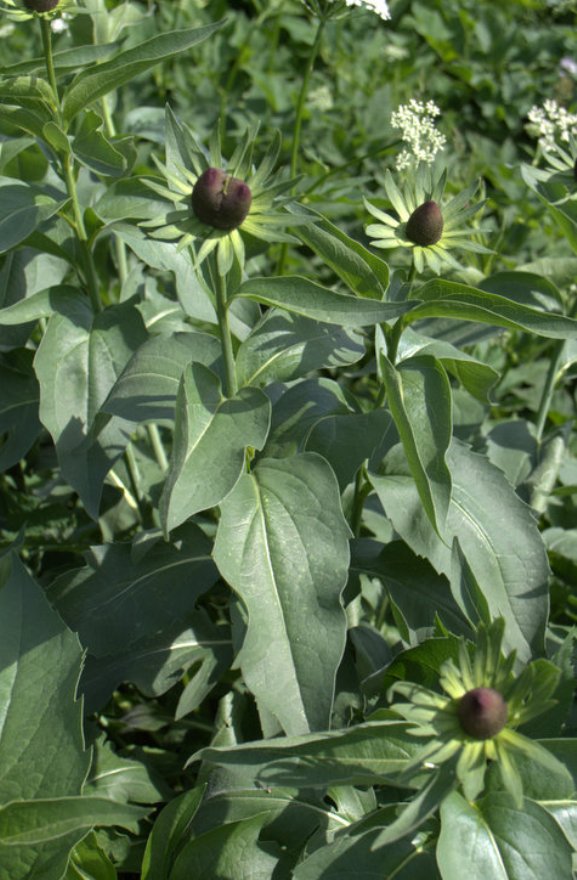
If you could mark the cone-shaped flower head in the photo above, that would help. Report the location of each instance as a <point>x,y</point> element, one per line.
<point>220,200</point>
<point>423,222</point>
<point>211,204</point>
<point>482,712</point>
<point>425,225</point>
<point>474,722</point>
<point>41,5</point>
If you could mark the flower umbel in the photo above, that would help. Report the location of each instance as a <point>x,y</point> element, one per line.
<point>474,721</point>
<point>331,8</point>
<point>416,122</point>
<point>424,224</point>
<point>551,124</point>
<point>211,204</point>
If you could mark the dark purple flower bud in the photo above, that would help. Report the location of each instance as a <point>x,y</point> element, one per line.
<point>425,225</point>
<point>41,5</point>
<point>482,713</point>
<point>220,200</point>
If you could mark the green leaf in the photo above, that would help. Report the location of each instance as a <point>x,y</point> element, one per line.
<point>77,363</point>
<point>147,388</point>
<point>363,272</point>
<point>366,754</point>
<point>283,347</point>
<point>232,850</point>
<point>419,398</point>
<point>211,435</point>
<point>42,304</point>
<point>498,840</point>
<point>415,587</point>
<point>309,299</point>
<point>22,209</point>
<point>497,534</point>
<point>124,596</point>
<point>121,779</point>
<point>93,83</point>
<point>94,150</point>
<point>202,651</point>
<point>448,299</point>
<point>377,853</point>
<point>347,440</point>
<point>24,89</point>
<point>282,545</point>
<point>41,750</point>
<point>474,375</point>
<point>39,822</point>
<point>169,834</point>
<point>19,423</point>
<point>89,862</point>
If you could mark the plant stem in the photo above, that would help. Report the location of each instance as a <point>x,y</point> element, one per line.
<point>296,141</point>
<point>393,337</point>
<point>49,58</point>
<point>219,285</point>
<point>362,490</point>
<point>67,163</point>
<point>549,388</point>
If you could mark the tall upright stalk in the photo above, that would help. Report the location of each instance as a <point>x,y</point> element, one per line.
<point>296,138</point>
<point>68,173</point>
<point>220,293</point>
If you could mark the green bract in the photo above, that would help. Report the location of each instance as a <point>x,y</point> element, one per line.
<point>424,224</point>
<point>474,721</point>
<point>234,200</point>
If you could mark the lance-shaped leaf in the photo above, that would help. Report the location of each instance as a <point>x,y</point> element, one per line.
<point>211,435</point>
<point>448,299</point>
<point>96,81</point>
<point>77,363</point>
<point>419,398</point>
<point>121,598</point>
<point>283,347</point>
<point>147,388</point>
<point>22,209</point>
<point>496,531</point>
<point>499,840</point>
<point>42,757</point>
<point>311,300</point>
<point>366,754</point>
<point>19,423</point>
<point>366,274</point>
<point>376,852</point>
<point>282,545</point>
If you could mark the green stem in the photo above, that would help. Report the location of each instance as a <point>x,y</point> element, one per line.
<point>49,59</point>
<point>157,447</point>
<point>296,141</point>
<point>362,490</point>
<point>393,337</point>
<point>219,285</point>
<point>69,178</point>
<point>302,98</point>
<point>549,388</point>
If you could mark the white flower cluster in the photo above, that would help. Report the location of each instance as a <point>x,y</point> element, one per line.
<point>416,121</point>
<point>381,7</point>
<point>551,123</point>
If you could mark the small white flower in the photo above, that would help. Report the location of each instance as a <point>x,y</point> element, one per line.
<point>568,65</point>
<point>380,7</point>
<point>59,25</point>
<point>416,122</point>
<point>321,99</point>
<point>552,123</point>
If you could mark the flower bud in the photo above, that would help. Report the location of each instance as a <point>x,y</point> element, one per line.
<point>482,712</point>
<point>220,200</point>
<point>41,5</point>
<point>425,225</point>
